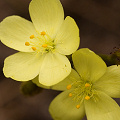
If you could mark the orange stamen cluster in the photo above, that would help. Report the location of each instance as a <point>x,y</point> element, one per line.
<point>40,43</point>
<point>83,91</point>
<point>43,33</point>
<point>69,87</point>
<point>70,94</point>
<point>27,43</point>
<point>87,97</point>
<point>34,48</point>
<point>77,106</point>
<point>32,36</point>
<point>87,85</point>
<point>44,45</point>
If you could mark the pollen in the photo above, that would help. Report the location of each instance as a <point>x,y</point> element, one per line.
<point>44,45</point>
<point>87,97</point>
<point>87,85</point>
<point>32,36</point>
<point>27,43</point>
<point>77,106</point>
<point>34,48</point>
<point>69,87</point>
<point>70,94</point>
<point>43,33</point>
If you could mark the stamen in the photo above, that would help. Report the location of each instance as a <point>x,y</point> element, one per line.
<point>87,97</point>
<point>87,85</point>
<point>69,87</point>
<point>44,45</point>
<point>77,106</point>
<point>43,33</point>
<point>34,48</point>
<point>27,43</point>
<point>70,94</point>
<point>32,36</point>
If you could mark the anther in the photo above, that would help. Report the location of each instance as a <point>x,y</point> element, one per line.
<point>77,106</point>
<point>87,97</point>
<point>43,33</point>
<point>34,48</point>
<point>68,87</point>
<point>32,36</point>
<point>44,45</point>
<point>27,43</point>
<point>87,85</point>
<point>70,94</point>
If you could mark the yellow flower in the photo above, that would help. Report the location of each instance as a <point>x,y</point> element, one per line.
<point>88,90</point>
<point>43,43</point>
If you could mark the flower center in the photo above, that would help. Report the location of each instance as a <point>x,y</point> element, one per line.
<point>41,43</point>
<point>80,91</point>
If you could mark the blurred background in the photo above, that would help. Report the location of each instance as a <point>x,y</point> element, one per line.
<point>99,23</point>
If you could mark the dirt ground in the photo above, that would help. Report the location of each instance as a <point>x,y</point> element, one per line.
<point>99,23</point>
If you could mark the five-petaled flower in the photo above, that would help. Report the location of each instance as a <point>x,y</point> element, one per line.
<point>43,43</point>
<point>89,90</point>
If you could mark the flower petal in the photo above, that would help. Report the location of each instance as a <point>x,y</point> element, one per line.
<point>67,81</point>
<point>54,69</point>
<point>36,81</point>
<point>102,107</point>
<point>47,15</point>
<point>89,65</point>
<point>64,108</point>
<point>22,66</point>
<point>110,82</point>
<point>67,39</point>
<point>62,86</point>
<point>15,31</point>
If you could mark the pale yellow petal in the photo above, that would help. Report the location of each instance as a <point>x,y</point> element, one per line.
<point>68,81</point>
<point>22,66</point>
<point>67,39</point>
<point>47,15</point>
<point>54,69</point>
<point>36,81</point>
<point>64,108</point>
<point>102,107</point>
<point>88,64</point>
<point>110,81</point>
<point>15,31</point>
